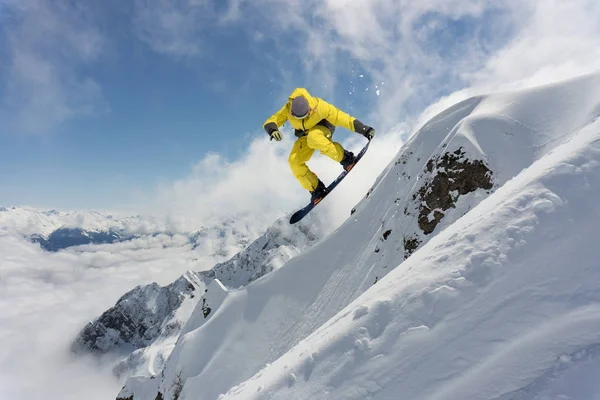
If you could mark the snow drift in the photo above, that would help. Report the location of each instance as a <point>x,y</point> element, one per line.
<point>495,201</point>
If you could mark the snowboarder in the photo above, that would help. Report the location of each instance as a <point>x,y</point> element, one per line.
<point>314,121</point>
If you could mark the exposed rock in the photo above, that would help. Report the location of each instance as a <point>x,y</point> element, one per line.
<point>205,308</point>
<point>454,176</point>
<point>404,158</point>
<point>386,234</point>
<point>139,317</point>
<point>410,245</point>
<point>177,387</point>
<point>258,259</point>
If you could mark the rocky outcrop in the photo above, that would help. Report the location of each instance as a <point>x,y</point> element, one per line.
<point>437,185</point>
<point>262,256</point>
<point>454,176</point>
<point>410,245</point>
<point>140,316</point>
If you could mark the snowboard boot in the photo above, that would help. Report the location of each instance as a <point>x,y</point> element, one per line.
<point>318,193</point>
<point>348,161</point>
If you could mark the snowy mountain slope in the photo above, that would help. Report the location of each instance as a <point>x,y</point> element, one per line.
<point>454,162</point>
<point>146,321</point>
<point>504,304</point>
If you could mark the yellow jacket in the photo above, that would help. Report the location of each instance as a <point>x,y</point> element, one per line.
<point>321,112</point>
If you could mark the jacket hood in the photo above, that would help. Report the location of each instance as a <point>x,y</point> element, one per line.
<point>312,102</point>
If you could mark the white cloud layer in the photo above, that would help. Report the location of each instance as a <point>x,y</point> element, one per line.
<point>47,298</point>
<point>172,26</point>
<point>254,186</point>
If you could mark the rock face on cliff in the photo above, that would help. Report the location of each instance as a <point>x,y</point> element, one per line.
<point>141,316</point>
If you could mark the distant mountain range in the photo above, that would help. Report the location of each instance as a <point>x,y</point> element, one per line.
<point>58,230</point>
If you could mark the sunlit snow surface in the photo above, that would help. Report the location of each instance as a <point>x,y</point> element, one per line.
<point>499,302</point>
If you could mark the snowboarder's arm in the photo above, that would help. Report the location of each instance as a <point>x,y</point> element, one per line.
<point>339,118</point>
<point>335,116</point>
<point>276,120</point>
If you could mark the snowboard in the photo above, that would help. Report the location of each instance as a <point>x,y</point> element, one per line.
<point>298,215</point>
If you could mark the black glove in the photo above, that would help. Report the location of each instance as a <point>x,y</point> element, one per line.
<point>369,133</point>
<point>363,129</point>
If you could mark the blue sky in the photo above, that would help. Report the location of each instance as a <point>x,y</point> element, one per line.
<point>103,102</point>
<point>158,113</point>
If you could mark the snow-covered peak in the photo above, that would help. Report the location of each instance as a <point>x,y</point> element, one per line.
<point>148,320</point>
<point>528,154</point>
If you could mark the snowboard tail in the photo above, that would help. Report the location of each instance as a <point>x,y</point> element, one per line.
<point>298,215</point>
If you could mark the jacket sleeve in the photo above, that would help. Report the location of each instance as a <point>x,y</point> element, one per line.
<point>336,116</point>
<point>276,120</point>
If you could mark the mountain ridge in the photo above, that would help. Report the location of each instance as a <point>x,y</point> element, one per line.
<point>506,133</point>
<point>146,321</point>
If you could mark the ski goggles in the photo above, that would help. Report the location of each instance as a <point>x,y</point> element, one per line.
<point>301,116</point>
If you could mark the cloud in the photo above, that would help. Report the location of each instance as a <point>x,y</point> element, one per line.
<point>45,301</point>
<point>47,298</point>
<point>396,43</point>
<point>47,43</point>
<point>416,52</point>
<point>173,27</point>
<point>410,53</point>
<point>255,185</point>
<point>557,40</point>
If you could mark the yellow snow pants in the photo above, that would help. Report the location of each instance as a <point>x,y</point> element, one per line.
<point>318,138</point>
